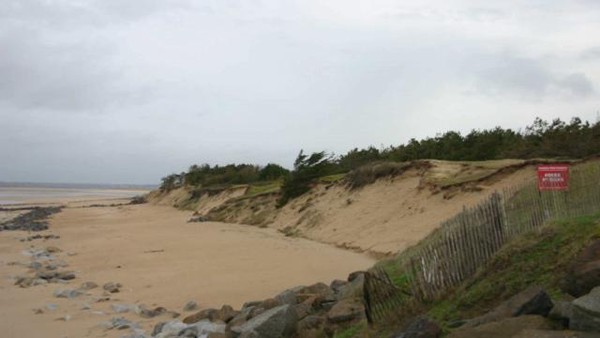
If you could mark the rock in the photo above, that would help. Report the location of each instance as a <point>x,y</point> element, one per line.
<point>561,311</point>
<point>67,293</point>
<point>274,323</point>
<point>120,323</point>
<point>51,307</point>
<point>209,314</point>
<point>150,313</point>
<point>353,289</point>
<point>190,306</point>
<point>585,315</point>
<point>112,287</point>
<point>532,333</point>
<point>225,314</point>
<point>51,275</point>
<point>169,329</point>
<point>533,300</point>
<point>583,274</point>
<point>287,297</point>
<point>251,304</point>
<point>269,303</point>
<point>345,311</point>
<point>355,274</point>
<point>312,327</point>
<point>53,249</point>
<point>198,219</point>
<point>200,328</point>
<point>120,308</point>
<point>158,328</point>
<point>507,327</point>
<point>337,285</point>
<point>420,327</point>
<point>88,286</point>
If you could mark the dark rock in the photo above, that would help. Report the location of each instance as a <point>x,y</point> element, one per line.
<point>112,287</point>
<point>585,315</point>
<point>88,286</point>
<point>201,328</point>
<point>337,285</point>
<point>53,275</point>
<point>345,311</point>
<point>151,313</point>
<point>562,312</point>
<point>53,249</point>
<point>251,304</point>
<point>355,274</point>
<point>287,297</point>
<point>158,328</point>
<point>270,303</point>
<point>354,289</point>
<point>533,300</point>
<point>67,293</point>
<point>209,314</point>
<point>190,306</point>
<point>583,274</point>
<point>198,219</point>
<point>34,220</point>
<point>420,327</point>
<point>226,314</point>
<point>503,328</point>
<point>274,323</point>
<point>312,327</point>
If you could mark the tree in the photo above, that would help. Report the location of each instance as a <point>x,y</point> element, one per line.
<point>306,170</point>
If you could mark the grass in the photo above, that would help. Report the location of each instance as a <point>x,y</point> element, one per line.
<point>534,259</point>
<point>357,330</point>
<point>263,188</point>
<point>332,178</point>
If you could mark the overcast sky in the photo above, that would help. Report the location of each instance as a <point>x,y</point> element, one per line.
<point>115,91</point>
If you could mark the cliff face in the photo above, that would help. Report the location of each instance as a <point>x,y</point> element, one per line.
<point>381,218</point>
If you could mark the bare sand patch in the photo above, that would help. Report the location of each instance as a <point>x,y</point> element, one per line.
<point>161,260</point>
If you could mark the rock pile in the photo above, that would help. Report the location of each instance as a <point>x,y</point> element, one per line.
<point>317,310</point>
<point>34,220</point>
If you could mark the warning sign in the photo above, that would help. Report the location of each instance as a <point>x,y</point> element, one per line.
<point>553,177</point>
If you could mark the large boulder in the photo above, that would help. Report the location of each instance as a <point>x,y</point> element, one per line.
<point>312,327</point>
<point>532,301</point>
<point>354,288</point>
<point>274,323</point>
<point>420,327</point>
<point>345,311</point>
<point>585,315</point>
<point>504,328</point>
<point>583,274</point>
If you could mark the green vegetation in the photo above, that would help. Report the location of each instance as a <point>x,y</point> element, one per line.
<point>205,176</point>
<point>357,330</point>
<point>536,258</point>
<point>542,139</point>
<point>307,170</point>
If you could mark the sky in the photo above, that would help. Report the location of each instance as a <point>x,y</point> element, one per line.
<point>113,91</point>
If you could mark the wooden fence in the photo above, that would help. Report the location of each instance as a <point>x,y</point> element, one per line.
<point>467,241</point>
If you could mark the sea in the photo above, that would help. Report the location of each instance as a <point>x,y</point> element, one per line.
<point>30,193</point>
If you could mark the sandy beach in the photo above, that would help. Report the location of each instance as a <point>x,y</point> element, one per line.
<point>161,260</point>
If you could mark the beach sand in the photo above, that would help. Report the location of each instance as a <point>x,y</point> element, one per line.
<point>161,260</point>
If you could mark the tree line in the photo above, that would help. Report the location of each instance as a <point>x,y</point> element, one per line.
<point>541,139</point>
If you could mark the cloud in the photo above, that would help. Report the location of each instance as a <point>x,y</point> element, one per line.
<point>139,89</point>
<point>526,78</point>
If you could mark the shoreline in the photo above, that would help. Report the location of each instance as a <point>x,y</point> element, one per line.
<point>162,261</point>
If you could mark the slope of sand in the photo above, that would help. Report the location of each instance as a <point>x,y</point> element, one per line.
<point>385,217</point>
<point>161,260</point>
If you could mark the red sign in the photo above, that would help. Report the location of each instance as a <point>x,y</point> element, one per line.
<point>553,177</point>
